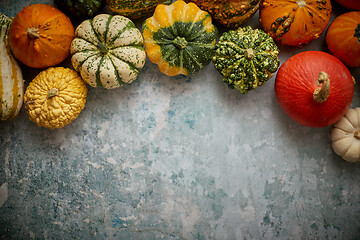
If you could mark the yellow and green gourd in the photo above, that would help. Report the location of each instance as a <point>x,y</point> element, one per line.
<point>246,58</point>
<point>180,38</point>
<point>11,79</point>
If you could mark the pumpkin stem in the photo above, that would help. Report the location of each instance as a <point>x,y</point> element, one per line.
<point>52,93</point>
<point>102,48</point>
<point>357,134</point>
<point>33,32</point>
<point>249,53</point>
<point>301,3</point>
<point>180,42</point>
<point>320,95</point>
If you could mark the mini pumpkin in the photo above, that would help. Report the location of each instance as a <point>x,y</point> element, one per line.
<point>179,38</point>
<point>230,13</point>
<point>314,88</point>
<point>246,58</point>
<point>40,36</point>
<point>345,136</point>
<point>108,51</point>
<point>11,79</point>
<point>343,38</point>
<point>55,97</point>
<point>295,22</point>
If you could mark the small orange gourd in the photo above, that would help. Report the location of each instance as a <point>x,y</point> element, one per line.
<point>40,36</point>
<point>294,22</point>
<point>343,38</point>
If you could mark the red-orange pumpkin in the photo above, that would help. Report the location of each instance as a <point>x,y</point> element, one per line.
<point>314,88</point>
<point>294,22</point>
<point>350,4</point>
<point>343,38</point>
<point>40,36</point>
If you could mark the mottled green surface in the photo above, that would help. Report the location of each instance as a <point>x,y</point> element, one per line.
<point>176,158</point>
<point>246,58</point>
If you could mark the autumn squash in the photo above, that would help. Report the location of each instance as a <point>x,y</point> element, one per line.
<point>108,51</point>
<point>343,38</point>
<point>40,36</point>
<point>345,136</point>
<point>246,58</point>
<point>55,97</point>
<point>11,79</point>
<point>230,13</point>
<point>80,8</point>
<point>314,88</point>
<point>294,22</point>
<point>350,4</point>
<point>179,38</point>
<point>134,9</point>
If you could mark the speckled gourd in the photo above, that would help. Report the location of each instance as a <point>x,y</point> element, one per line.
<point>246,58</point>
<point>11,79</point>
<point>108,51</point>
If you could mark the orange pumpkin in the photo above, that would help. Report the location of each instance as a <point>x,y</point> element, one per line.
<point>40,36</point>
<point>294,22</point>
<point>343,38</point>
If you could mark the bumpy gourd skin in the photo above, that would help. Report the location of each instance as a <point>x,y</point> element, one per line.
<point>81,8</point>
<point>55,97</point>
<point>246,58</point>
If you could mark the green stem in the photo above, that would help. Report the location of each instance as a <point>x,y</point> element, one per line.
<point>103,48</point>
<point>180,42</point>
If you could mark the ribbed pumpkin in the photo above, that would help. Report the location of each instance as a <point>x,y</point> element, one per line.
<point>230,13</point>
<point>55,97</point>
<point>134,9</point>
<point>108,51</point>
<point>295,22</point>
<point>246,58</point>
<point>345,136</point>
<point>179,38</point>
<point>11,79</point>
<point>40,36</point>
<point>343,38</point>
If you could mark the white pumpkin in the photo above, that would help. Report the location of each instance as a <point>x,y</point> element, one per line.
<point>345,136</point>
<point>108,51</point>
<point>11,79</point>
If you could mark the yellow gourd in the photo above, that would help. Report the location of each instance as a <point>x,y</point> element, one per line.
<point>55,97</point>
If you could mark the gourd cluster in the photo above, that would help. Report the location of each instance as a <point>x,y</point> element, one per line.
<point>108,50</point>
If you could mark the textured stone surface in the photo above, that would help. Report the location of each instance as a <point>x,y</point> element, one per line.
<point>176,158</point>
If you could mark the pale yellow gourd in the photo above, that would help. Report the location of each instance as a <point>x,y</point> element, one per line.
<point>11,79</point>
<point>55,97</point>
<point>345,136</point>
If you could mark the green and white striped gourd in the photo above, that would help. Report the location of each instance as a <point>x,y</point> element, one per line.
<point>108,51</point>
<point>11,79</point>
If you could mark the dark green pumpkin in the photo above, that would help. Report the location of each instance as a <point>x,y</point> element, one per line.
<point>246,58</point>
<point>179,38</point>
<point>82,9</point>
<point>134,8</point>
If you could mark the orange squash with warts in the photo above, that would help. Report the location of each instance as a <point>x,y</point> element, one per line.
<point>295,22</point>
<point>40,36</point>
